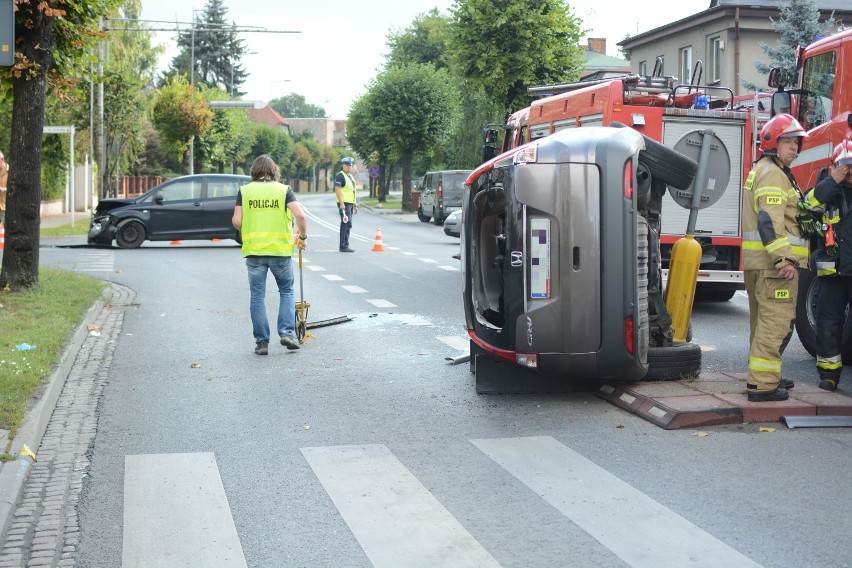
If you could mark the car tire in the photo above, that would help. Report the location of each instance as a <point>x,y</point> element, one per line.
<point>806,309</point>
<point>437,219</point>
<point>421,216</point>
<point>680,361</point>
<point>665,164</point>
<point>130,235</point>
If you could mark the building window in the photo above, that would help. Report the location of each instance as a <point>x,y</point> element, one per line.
<point>643,68</point>
<point>716,46</point>
<point>686,65</point>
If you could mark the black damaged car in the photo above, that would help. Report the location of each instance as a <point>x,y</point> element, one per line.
<point>184,208</point>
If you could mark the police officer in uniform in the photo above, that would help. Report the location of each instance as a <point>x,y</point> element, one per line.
<point>773,251</point>
<point>344,189</point>
<point>833,258</point>
<point>264,214</point>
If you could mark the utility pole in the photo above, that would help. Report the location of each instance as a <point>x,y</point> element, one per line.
<point>103,176</point>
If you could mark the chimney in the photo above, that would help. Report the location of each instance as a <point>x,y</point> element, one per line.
<point>597,44</point>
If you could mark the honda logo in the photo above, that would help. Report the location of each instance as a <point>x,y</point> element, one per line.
<point>517,258</point>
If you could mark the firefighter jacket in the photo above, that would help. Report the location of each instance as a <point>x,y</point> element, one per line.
<point>833,251</point>
<point>771,233</point>
<point>267,222</point>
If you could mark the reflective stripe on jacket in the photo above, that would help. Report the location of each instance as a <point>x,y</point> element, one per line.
<point>267,223</point>
<point>832,198</point>
<point>768,189</point>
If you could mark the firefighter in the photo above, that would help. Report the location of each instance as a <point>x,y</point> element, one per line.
<point>833,258</point>
<point>773,252</point>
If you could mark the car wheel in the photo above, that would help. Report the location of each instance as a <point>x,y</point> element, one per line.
<point>680,361</point>
<point>665,164</point>
<point>130,235</point>
<point>437,219</point>
<point>806,310</point>
<point>421,216</point>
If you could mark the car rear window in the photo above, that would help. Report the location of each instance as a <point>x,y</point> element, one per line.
<point>222,188</point>
<point>454,181</point>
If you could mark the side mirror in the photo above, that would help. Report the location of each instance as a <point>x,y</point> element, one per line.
<point>780,103</point>
<point>158,199</point>
<point>777,78</point>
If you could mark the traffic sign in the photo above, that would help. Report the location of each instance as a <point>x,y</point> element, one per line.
<point>374,171</point>
<point>58,129</point>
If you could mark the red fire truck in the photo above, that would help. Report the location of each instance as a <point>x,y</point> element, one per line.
<point>665,112</point>
<point>821,101</point>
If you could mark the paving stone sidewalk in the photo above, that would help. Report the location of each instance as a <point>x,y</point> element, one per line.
<point>43,529</point>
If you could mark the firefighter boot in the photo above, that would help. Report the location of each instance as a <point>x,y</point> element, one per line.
<point>777,394</point>
<point>786,383</point>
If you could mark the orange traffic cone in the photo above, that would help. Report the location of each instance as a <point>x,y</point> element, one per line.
<point>2,236</point>
<point>378,246</point>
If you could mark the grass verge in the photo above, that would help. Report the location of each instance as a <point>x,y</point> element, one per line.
<point>393,202</point>
<point>43,317</point>
<point>80,227</point>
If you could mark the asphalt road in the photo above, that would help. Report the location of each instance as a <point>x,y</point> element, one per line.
<point>365,448</point>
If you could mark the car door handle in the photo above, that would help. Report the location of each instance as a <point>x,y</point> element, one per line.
<point>197,204</point>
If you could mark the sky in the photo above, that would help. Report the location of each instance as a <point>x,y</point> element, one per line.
<point>341,44</point>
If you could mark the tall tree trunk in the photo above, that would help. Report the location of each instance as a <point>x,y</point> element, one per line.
<point>406,182</point>
<point>23,197</point>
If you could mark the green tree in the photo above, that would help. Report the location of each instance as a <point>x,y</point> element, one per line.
<point>53,40</point>
<point>216,49</point>
<point>798,25</point>
<point>414,107</point>
<point>424,41</point>
<point>294,105</point>
<point>229,138</point>
<point>128,76</point>
<point>366,138</point>
<point>180,113</point>
<point>505,46</point>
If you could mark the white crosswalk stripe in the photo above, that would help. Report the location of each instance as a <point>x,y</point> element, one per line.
<point>85,260</point>
<point>176,512</point>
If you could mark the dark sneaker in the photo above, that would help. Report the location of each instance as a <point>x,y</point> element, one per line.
<point>262,348</point>
<point>785,383</point>
<point>347,249</point>
<point>289,341</point>
<point>768,396</point>
<point>828,384</point>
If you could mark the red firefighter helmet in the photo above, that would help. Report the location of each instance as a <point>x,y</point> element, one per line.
<point>779,126</point>
<point>842,154</point>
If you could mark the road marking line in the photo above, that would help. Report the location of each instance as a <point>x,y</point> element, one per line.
<point>408,253</point>
<point>315,268</point>
<point>354,289</point>
<point>395,519</point>
<point>382,303</point>
<point>639,530</point>
<point>176,513</point>
<point>392,248</point>
<point>427,260</point>
<point>450,268</point>
<point>457,342</point>
<point>333,277</point>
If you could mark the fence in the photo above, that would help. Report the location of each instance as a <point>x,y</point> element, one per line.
<point>133,186</point>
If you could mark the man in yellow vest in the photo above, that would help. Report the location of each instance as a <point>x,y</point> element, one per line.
<point>264,214</point>
<point>344,190</point>
<point>773,252</point>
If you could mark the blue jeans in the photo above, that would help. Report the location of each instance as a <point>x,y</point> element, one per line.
<point>282,270</point>
<point>346,227</point>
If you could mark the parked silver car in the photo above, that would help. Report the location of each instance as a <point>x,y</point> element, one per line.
<point>440,194</point>
<point>452,224</point>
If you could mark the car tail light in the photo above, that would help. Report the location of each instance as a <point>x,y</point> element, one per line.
<point>628,334</point>
<point>628,180</point>
<point>440,193</point>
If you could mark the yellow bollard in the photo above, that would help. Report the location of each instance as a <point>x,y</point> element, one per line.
<point>680,288</point>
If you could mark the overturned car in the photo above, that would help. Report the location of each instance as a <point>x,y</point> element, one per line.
<point>561,261</point>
